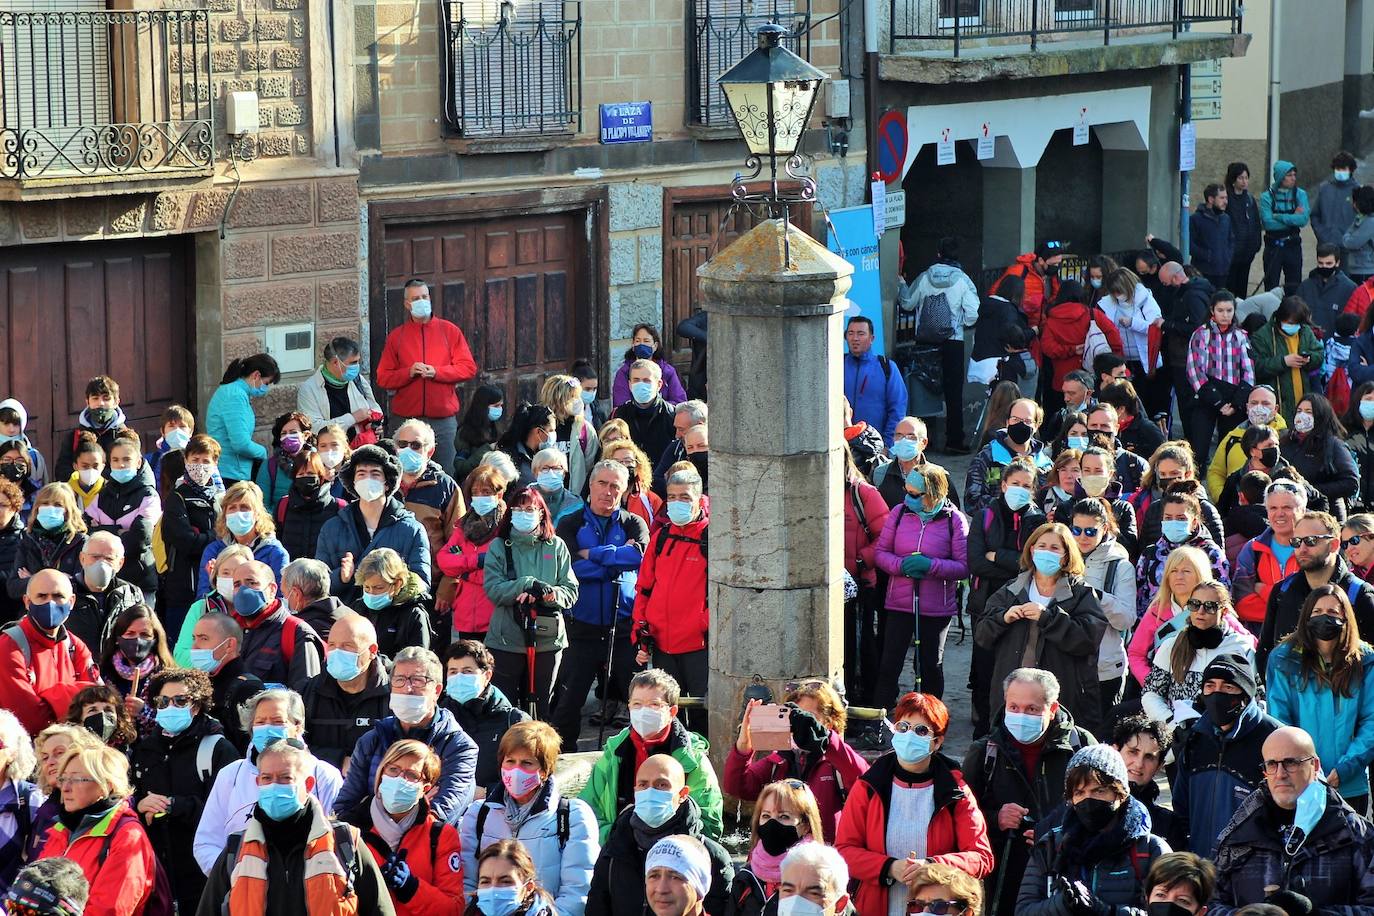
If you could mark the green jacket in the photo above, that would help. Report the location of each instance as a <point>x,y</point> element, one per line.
<point>603,789</point>
<point>1267,350</point>
<point>511,567</point>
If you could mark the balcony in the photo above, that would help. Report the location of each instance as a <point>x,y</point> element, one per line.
<point>723,31</point>
<point>512,72</point>
<point>96,101</point>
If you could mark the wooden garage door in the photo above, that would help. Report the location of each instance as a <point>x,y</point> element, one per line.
<point>69,312</point>
<point>513,285</point>
<point>696,230</point>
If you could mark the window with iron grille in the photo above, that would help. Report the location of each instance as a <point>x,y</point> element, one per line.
<point>723,32</point>
<point>970,12</point>
<point>513,67</point>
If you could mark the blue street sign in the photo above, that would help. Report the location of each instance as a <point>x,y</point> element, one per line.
<point>627,122</point>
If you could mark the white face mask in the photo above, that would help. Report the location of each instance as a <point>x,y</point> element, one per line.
<point>331,458</point>
<point>369,489</point>
<point>410,708</point>
<point>200,474</point>
<point>1303,422</point>
<point>225,586</point>
<point>797,905</point>
<point>649,720</point>
<point>88,476</point>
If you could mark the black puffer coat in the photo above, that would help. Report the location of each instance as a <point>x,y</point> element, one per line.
<point>485,719</point>
<point>188,527</point>
<point>336,719</point>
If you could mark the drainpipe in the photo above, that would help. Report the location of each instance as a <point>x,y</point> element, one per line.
<point>1186,179</point>
<point>871,86</point>
<point>1275,87</point>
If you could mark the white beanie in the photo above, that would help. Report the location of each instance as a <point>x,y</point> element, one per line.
<point>685,855</point>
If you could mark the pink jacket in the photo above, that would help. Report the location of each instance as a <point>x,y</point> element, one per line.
<point>944,539</point>
<point>859,542</point>
<point>830,779</point>
<point>458,559</point>
<point>1143,642</point>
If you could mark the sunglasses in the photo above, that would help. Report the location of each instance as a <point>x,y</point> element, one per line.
<point>1084,532</point>
<point>1354,540</point>
<point>181,701</point>
<point>938,907</point>
<point>410,444</point>
<point>1309,540</point>
<point>1209,607</point>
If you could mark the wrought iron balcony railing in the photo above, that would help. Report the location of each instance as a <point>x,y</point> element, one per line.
<point>512,70</point>
<point>942,25</point>
<point>92,93</point>
<point>723,31</point>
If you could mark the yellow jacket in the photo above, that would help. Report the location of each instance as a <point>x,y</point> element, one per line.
<point>1228,457</point>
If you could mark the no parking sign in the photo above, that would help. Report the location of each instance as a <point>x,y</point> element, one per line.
<point>892,144</point>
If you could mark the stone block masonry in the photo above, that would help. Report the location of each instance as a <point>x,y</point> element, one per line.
<point>261,46</point>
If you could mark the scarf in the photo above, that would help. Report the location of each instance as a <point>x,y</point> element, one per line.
<point>389,830</point>
<point>768,868</point>
<point>144,668</point>
<point>1086,850</point>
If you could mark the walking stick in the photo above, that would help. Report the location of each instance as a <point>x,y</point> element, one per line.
<point>916,629</point>
<point>610,661</point>
<point>531,703</point>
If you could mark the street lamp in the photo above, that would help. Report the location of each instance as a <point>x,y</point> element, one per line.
<point>771,93</point>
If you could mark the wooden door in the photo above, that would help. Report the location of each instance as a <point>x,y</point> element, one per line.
<point>70,312</point>
<point>696,230</point>
<point>514,285</point>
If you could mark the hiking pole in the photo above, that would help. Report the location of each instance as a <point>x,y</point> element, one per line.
<point>916,630</point>
<point>610,662</point>
<point>1004,863</point>
<point>531,622</point>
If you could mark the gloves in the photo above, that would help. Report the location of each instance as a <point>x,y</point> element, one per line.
<point>399,878</point>
<point>1081,902</point>
<point>915,566</point>
<point>808,733</point>
<point>1291,902</point>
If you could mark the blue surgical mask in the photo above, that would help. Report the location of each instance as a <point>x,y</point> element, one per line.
<point>680,513</point>
<point>905,449</point>
<point>1366,413</point>
<point>1176,530</point>
<point>1078,442</point>
<point>483,505</point>
<point>279,802</point>
<point>1095,282</point>
<point>916,481</point>
<point>463,687</point>
<point>204,660</point>
<point>655,806</point>
<point>123,475</point>
<point>550,481</point>
<point>494,412</point>
<point>174,720</point>
<point>1061,493</point>
<point>914,503</point>
<point>421,309</point>
<point>176,437</point>
<point>1047,562</point>
<point>352,372</point>
<point>263,735</point>
<point>524,520</point>
<point>499,901</point>
<point>398,795</point>
<point>588,396</point>
<point>1341,174</point>
<point>1290,329</point>
<point>378,601</point>
<point>50,614</point>
<point>343,665</point>
<point>256,391</point>
<point>643,392</point>
<point>412,462</point>
<point>239,523</point>
<point>1024,727</point>
<point>911,747</point>
<point>1311,807</point>
<point>52,518</point>
<point>1017,498</point>
<point>249,602</point>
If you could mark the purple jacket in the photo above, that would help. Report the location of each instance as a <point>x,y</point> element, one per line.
<point>944,539</point>
<point>672,386</point>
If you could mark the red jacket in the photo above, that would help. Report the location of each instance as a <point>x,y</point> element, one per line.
<point>441,876</point>
<point>458,560</point>
<point>675,611</point>
<point>858,542</point>
<point>957,835</point>
<point>442,345</point>
<point>39,693</point>
<point>1065,329</point>
<point>1359,300</point>
<point>121,886</point>
<point>830,778</point>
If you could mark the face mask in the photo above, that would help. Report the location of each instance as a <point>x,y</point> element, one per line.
<point>915,503</point>
<point>524,520</point>
<point>398,795</point>
<point>421,309</point>
<point>279,802</point>
<point>50,614</point>
<point>1094,813</point>
<point>14,472</point>
<point>101,724</point>
<point>307,487</point>
<point>1017,498</point>
<point>483,505</point>
<point>1095,282</point>
<point>1061,493</point>
<point>1094,484</point>
<point>1324,626</point>
<point>588,397</point>
<point>239,523</point>
<point>331,458</point>
<point>52,518</point>
<point>1289,329</point>
<point>123,475</point>
<point>343,665</point>
<point>494,413</point>
<point>1176,530</point>
<point>412,462</point>
<point>199,474</point>
<point>249,602</point>
<point>1341,174</point>
<point>135,648</point>
<point>1051,270</point>
<point>680,513</point>
<point>463,687</point>
<point>916,481</point>
<point>1020,433</point>
<point>1078,442</point>
<point>643,351</point>
<point>98,577</point>
<point>1260,415</point>
<point>550,481</point>
<point>778,837</point>
<point>905,449</point>
<point>1269,456</point>
<point>174,720</point>
<point>499,901</point>
<point>643,392</point>
<point>1209,638</point>
<point>369,489</point>
<point>1311,807</point>
<point>224,586</point>
<point>410,708</point>
<point>291,443</point>
<point>88,477</point>
<point>204,660</point>
<point>655,806</point>
<point>1047,562</point>
<point>1167,908</point>
<point>352,372</point>
<point>257,392</point>
<point>911,747</point>
<point>649,721</point>
<point>1024,727</point>
<point>378,601</point>
<point>519,782</point>
<point>1223,708</point>
<point>1367,410</point>
<point>1303,422</point>
<point>100,416</point>
<point>797,905</point>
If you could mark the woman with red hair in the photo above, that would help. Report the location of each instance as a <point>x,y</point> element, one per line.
<point>911,808</point>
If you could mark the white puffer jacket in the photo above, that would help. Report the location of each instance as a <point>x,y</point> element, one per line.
<point>1164,698</point>
<point>1118,603</point>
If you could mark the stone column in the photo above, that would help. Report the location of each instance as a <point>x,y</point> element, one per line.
<point>1008,213</point>
<point>777,520</point>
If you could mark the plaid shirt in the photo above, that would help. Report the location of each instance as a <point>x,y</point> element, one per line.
<point>1222,356</point>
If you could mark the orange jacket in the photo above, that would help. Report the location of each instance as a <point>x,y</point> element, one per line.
<point>122,884</point>
<point>441,875</point>
<point>1037,297</point>
<point>442,345</point>
<point>674,611</point>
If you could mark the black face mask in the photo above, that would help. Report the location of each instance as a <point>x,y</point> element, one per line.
<point>1204,639</point>
<point>307,487</point>
<point>1020,433</point>
<point>1168,908</point>
<point>1094,813</point>
<point>1269,457</point>
<point>1051,270</point>
<point>1323,626</point>
<point>14,471</point>
<point>777,837</point>
<point>1324,272</point>
<point>1224,708</point>
<point>135,648</point>
<point>101,724</point>
<point>700,461</point>
<point>101,416</point>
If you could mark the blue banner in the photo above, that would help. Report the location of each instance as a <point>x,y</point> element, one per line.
<point>852,238</point>
<point>627,122</point>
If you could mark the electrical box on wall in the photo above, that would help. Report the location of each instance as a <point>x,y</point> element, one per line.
<point>292,346</point>
<point>837,99</point>
<point>241,113</point>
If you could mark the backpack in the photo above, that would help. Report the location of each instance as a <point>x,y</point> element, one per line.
<point>934,319</point>
<point>160,901</point>
<point>1338,391</point>
<point>562,818</point>
<point>21,639</point>
<point>664,534</point>
<point>205,755</point>
<point>1095,343</point>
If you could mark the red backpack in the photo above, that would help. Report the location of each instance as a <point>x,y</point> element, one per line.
<point>160,900</point>
<point>1338,391</point>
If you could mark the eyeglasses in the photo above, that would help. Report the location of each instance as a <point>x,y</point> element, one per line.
<point>794,686</point>
<point>640,704</point>
<point>938,907</point>
<point>181,701</point>
<point>410,444</point>
<point>1207,607</point>
<point>408,775</point>
<point>1052,245</point>
<point>1309,540</point>
<point>1287,764</point>
<point>74,781</point>
<point>1083,532</point>
<point>414,681</point>
<point>1354,540</point>
<point>902,728</point>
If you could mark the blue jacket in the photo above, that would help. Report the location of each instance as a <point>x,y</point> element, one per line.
<point>1279,206</point>
<point>1215,774</point>
<point>877,397</point>
<point>265,550</point>
<point>1209,240</point>
<point>230,421</point>
<point>1360,365</point>
<point>615,548</point>
<point>457,764</point>
<point>1342,727</point>
<point>347,533</point>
